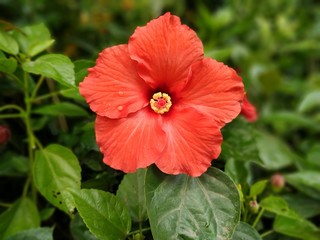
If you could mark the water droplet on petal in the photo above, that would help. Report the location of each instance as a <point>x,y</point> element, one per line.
<point>120,93</point>
<point>120,108</point>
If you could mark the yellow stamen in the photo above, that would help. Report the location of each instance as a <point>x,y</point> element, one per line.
<point>160,102</point>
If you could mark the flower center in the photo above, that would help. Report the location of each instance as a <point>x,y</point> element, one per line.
<point>160,102</point>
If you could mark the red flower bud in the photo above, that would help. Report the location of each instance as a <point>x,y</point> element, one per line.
<point>4,134</point>
<point>278,182</point>
<point>254,206</point>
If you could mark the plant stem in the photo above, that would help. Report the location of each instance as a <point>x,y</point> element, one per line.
<point>267,233</point>
<point>15,115</point>
<point>139,231</point>
<point>31,140</point>
<point>258,218</point>
<point>11,106</point>
<point>36,88</point>
<point>7,205</point>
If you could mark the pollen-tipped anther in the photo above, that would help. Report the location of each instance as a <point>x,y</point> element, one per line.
<point>160,102</point>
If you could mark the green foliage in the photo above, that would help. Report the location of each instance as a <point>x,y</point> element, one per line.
<point>44,233</point>
<point>131,192</point>
<point>22,215</point>
<point>62,108</point>
<point>172,212</point>
<point>56,169</point>
<point>55,66</point>
<point>244,231</point>
<point>105,215</point>
<point>33,39</point>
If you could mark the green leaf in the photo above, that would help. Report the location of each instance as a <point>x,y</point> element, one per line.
<point>55,66</point>
<point>56,169</point>
<point>33,39</point>
<point>303,205</point>
<point>182,207</point>
<point>131,192</point>
<point>258,188</point>
<point>79,230</point>
<point>7,65</point>
<point>8,44</point>
<point>44,233</point>
<point>307,182</point>
<point>47,213</point>
<point>277,205</point>
<point>298,228</point>
<point>274,153</point>
<point>62,108</point>
<point>238,171</point>
<point>72,93</point>
<point>105,216</point>
<point>81,69</point>
<point>309,102</point>
<point>13,165</point>
<point>239,142</point>
<point>245,232</point>
<point>22,215</point>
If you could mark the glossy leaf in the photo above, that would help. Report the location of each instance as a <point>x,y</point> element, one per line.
<point>72,93</point>
<point>277,205</point>
<point>103,213</point>
<point>310,102</point>
<point>182,207</point>
<point>55,66</point>
<point>7,65</point>
<point>131,192</point>
<point>22,215</point>
<point>8,44</point>
<point>298,228</point>
<point>44,233</point>
<point>245,231</point>
<point>13,165</point>
<point>239,142</point>
<point>62,108</point>
<point>79,230</point>
<point>307,182</point>
<point>33,39</point>
<point>56,169</point>
<point>238,171</point>
<point>303,205</point>
<point>274,153</point>
<point>258,187</point>
<point>81,69</point>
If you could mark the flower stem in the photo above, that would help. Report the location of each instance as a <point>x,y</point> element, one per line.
<point>15,115</point>
<point>141,230</point>
<point>267,233</point>
<point>31,140</point>
<point>258,218</point>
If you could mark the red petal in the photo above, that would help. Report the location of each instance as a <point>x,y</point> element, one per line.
<point>193,140</point>
<point>165,49</point>
<point>113,87</point>
<point>214,89</point>
<point>248,110</point>
<point>130,143</point>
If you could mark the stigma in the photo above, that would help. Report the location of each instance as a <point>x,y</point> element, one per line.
<point>160,102</point>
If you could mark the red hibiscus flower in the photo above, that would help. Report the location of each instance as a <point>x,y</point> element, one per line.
<point>158,100</point>
<point>248,110</point>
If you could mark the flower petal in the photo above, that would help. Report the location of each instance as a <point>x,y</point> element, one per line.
<point>164,50</point>
<point>193,140</point>
<point>113,87</point>
<point>214,89</point>
<point>248,110</point>
<point>130,143</point>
